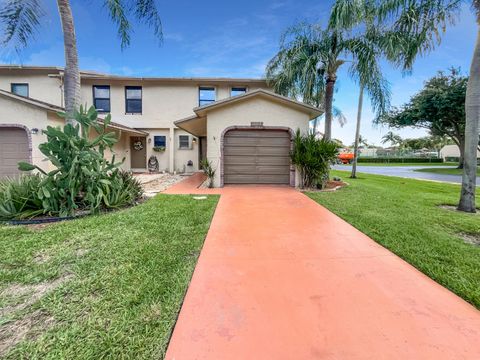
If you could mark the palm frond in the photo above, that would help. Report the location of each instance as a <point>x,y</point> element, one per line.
<point>21,19</point>
<point>117,12</point>
<point>143,10</point>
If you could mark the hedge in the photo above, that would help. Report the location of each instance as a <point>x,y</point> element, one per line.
<point>398,160</point>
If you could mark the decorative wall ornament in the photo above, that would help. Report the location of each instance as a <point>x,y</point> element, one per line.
<point>138,145</point>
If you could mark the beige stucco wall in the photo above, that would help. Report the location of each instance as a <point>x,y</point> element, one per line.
<point>18,113</point>
<point>40,85</point>
<point>162,103</point>
<point>269,112</point>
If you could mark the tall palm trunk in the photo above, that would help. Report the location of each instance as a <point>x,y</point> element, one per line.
<point>472,110</point>
<point>330,87</point>
<point>71,85</point>
<point>357,133</point>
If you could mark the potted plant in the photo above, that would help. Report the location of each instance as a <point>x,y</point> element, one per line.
<point>159,148</point>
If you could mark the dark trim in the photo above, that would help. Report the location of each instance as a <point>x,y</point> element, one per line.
<point>28,88</point>
<point>246,128</point>
<point>109,98</point>
<point>126,100</point>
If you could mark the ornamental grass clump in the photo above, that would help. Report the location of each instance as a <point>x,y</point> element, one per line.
<point>313,158</point>
<point>83,179</point>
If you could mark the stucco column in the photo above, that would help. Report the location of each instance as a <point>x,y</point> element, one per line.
<point>171,152</point>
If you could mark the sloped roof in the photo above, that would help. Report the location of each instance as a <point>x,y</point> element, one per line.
<point>94,75</point>
<point>309,109</point>
<point>56,109</point>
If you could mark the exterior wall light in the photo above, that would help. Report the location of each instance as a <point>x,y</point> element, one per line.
<point>34,131</point>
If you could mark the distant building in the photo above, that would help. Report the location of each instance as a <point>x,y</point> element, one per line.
<point>452,151</point>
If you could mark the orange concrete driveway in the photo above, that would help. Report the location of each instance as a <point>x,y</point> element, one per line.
<point>280,277</point>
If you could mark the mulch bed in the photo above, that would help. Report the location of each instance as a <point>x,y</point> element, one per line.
<point>332,185</point>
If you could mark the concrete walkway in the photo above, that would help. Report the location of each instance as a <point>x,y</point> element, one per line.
<point>280,277</point>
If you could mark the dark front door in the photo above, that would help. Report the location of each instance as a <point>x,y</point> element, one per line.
<point>138,151</point>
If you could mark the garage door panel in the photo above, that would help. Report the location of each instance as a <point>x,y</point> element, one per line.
<point>260,160</point>
<point>257,179</point>
<point>256,157</point>
<point>240,151</point>
<point>257,133</point>
<point>255,141</point>
<point>256,169</point>
<point>14,148</point>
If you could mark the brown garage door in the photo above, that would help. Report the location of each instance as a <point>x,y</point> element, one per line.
<point>13,148</point>
<point>256,157</point>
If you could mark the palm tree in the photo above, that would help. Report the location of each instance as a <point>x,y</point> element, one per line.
<point>357,18</point>
<point>415,28</point>
<point>298,70</point>
<point>392,138</point>
<point>309,58</point>
<point>21,19</point>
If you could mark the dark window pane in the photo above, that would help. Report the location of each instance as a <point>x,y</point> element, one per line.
<point>101,98</point>
<point>20,89</point>
<point>184,141</point>
<point>134,106</point>
<point>134,93</point>
<point>159,141</point>
<point>101,92</point>
<point>238,91</point>
<point>102,105</point>
<point>133,99</point>
<point>206,95</point>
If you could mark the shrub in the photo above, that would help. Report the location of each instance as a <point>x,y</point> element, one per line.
<point>19,198</point>
<point>82,173</point>
<point>209,171</point>
<point>398,160</point>
<point>83,178</point>
<point>123,190</point>
<point>313,158</point>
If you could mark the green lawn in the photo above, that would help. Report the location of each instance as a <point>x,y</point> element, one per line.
<point>408,164</point>
<point>115,282</point>
<point>447,171</point>
<point>405,217</point>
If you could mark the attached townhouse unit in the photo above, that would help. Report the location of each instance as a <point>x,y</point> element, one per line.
<point>243,128</point>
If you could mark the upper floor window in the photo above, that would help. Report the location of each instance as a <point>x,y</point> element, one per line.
<point>184,142</point>
<point>133,99</point>
<point>206,95</point>
<point>238,91</point>
<point>101,98</point>
<point>19,89</point>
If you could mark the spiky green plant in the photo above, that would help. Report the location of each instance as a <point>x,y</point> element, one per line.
<point>313,158</point>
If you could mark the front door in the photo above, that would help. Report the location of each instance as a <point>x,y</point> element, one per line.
<point>138,151</point>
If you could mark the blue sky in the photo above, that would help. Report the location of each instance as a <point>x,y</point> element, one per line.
<point>223,38</point>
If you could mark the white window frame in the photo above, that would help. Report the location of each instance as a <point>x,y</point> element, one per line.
<point>189,146</point>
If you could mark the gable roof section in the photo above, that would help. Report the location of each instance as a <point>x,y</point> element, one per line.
<point>56,109</point>
<point>312,111</point>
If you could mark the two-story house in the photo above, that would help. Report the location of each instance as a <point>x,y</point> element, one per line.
<point>240,125</point>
